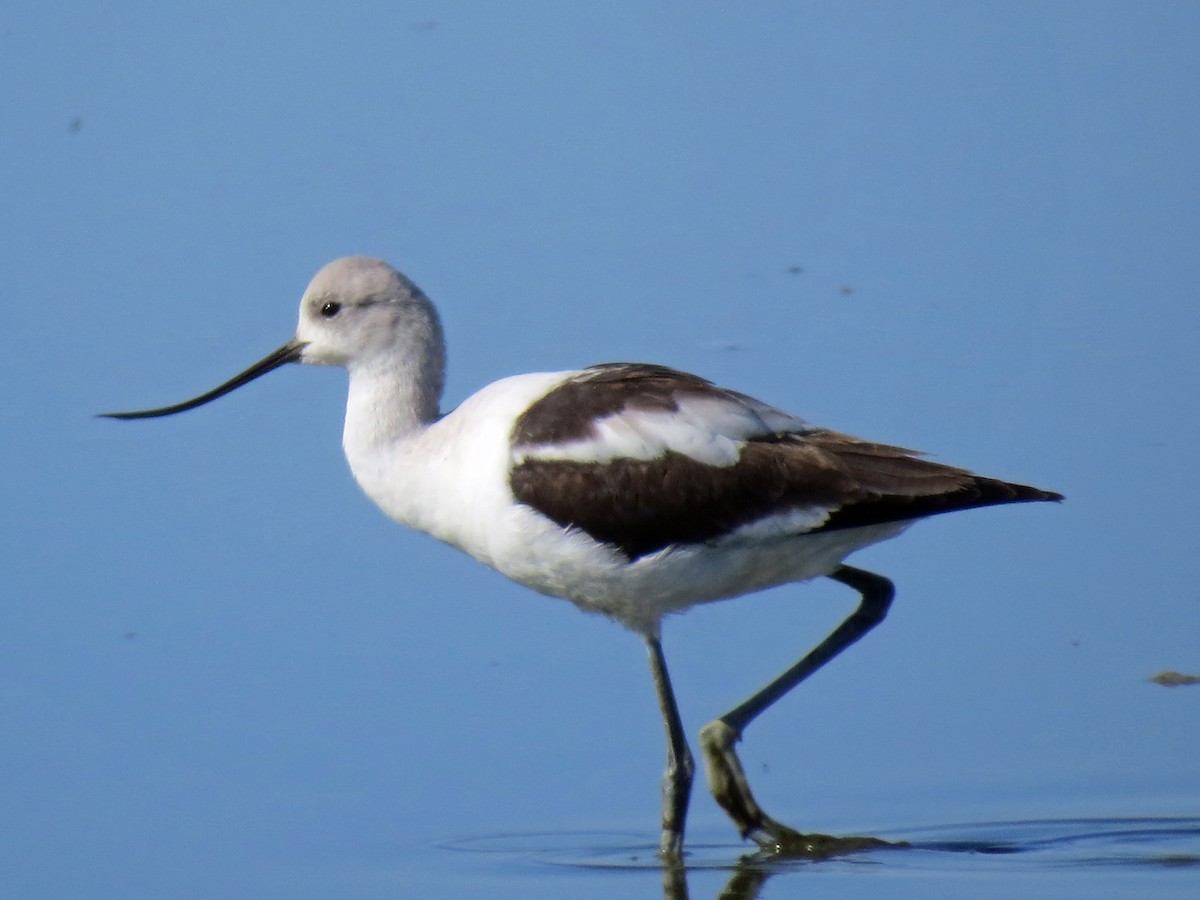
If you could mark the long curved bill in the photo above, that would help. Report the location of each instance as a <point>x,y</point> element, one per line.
<point>289,352</point>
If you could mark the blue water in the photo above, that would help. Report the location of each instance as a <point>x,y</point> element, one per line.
<point>1102,857</point>
<point>968,228</point>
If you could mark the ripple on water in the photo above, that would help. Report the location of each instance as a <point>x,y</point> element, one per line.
<point>1035,843</point>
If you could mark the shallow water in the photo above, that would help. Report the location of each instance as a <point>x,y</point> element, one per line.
<point>1144,856</point>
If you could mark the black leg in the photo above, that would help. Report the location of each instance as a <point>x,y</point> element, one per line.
<point>677,781</point>
<point>726,778</point>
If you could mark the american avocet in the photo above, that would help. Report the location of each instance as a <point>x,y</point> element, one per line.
<point>631,490</point>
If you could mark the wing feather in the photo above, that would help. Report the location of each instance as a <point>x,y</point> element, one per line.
<point>707,461</point>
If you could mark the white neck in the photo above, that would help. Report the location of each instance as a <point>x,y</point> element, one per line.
<point>392,397</point>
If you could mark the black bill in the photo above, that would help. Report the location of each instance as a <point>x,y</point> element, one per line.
<point>289,352</point>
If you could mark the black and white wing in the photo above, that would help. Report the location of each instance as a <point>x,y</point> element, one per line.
<point>644,457</point>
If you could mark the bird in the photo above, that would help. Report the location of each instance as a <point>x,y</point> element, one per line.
<point>633,490</point>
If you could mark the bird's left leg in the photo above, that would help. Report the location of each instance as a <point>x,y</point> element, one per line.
<point>727,779</point>
<point>677,781</point>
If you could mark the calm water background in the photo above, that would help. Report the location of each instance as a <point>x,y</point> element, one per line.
<point>965,227</point>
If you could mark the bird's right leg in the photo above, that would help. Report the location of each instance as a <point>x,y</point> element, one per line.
<point>727,779</point>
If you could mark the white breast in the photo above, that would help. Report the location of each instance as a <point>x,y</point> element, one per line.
<point>451,480</point>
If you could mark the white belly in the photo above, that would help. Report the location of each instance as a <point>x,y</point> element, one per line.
<point>451,481</point>
<point>598,578</point>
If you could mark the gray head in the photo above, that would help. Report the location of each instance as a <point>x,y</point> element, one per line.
<point>360,313</point>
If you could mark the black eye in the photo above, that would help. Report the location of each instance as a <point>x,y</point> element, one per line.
<point>331,309</point>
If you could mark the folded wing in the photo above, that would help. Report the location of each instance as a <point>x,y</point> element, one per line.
<point>644,457</point>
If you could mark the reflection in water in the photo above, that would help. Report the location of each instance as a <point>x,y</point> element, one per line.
<point>751,870</point>
<point>1146,843</point>
<point>744,885</point>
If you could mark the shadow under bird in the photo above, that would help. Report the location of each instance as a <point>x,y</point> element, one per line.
<point>632,490</point>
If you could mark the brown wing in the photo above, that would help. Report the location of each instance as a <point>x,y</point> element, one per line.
<point>646,504</point>
<point>642,506</point>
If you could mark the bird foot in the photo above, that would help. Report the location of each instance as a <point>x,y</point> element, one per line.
<point>780,841</point>
<point>728,784</point>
